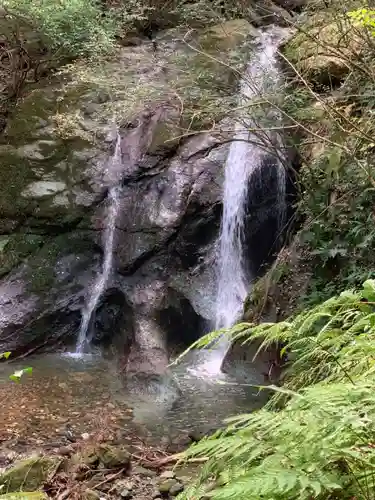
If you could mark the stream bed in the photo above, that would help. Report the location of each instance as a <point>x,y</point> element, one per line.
<point>66,398</point>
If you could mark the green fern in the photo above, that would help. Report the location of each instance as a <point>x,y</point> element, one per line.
<point>315,438</point>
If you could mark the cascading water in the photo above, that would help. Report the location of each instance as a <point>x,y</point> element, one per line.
<point>245,157</point>
<point>101,280</point>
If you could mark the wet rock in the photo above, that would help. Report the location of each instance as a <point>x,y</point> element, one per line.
<point>142,471</point>
<point>28,474</point>
<point>40,303</point>
<point>200,433</point>
<point>113,456</point>
<point>179,444</point>
<point>170,487</point>
<point>176,489</point>
<point>56,155</point>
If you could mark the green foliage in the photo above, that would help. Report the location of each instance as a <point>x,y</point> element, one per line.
<point>336,145</point>
<point>337,204</point>
<point>69,27</point>
<point>364,18</point>
<point>315,437</point>
<point>18,374</point>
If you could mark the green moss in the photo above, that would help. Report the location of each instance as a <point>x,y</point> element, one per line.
<point>16,248</point>
<point>28,474</point>
<point>41,268</point>
<point>322,46</point>
<point>194,78</point>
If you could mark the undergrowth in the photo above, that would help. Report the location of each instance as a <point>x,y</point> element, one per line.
<point>315,438</point>
<point>329,98</point>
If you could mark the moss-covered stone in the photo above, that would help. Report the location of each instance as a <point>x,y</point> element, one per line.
<point>15,248</point>
<point>28,474</point>
<point>41,270</point>
<point>88,457</point>
<point>226,36</point>
<point>322,49</point>
<point>113,456</point>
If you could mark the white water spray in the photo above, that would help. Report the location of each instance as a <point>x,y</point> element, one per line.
<point>101,280</point>
<point>245,156</point>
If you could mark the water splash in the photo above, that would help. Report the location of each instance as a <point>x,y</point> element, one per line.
<point>101,280</point>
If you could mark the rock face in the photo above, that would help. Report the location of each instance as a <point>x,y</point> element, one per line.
<point>61,154</point>
<point>57,165</point>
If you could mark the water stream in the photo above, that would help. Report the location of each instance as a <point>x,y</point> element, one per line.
<point>101,280</point>
<point>86,394</point>
<point>245,156</point>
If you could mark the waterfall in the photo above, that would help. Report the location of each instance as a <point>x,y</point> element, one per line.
<point>244,158</point>
<point>101,280</point>
<point>247,153</point>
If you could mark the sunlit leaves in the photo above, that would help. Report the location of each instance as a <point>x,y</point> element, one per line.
<point>365,18</point>
<point>18,374</point>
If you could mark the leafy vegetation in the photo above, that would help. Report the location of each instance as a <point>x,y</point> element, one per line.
<point>18,374</point>
<point>365,18</point>
<point>315,437</point>
<point>71,27</point>
<point>328,102</point>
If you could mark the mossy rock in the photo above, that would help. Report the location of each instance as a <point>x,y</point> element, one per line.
<point>15,248</point>
<point>227,36</point>
<point>87,457</point>
<point>24,495</point>
<point>113,457</point>
<point>322,49</point>
<point>28,474</point>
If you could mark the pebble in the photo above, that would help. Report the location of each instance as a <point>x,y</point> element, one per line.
<point>166,486</point>
<point>124,485</point>
<point>126,493</point>
<point>142,471</point>
<point>167,474</point>
<point>176,489</point>
<point>85,436</point>
<point>65,450</point>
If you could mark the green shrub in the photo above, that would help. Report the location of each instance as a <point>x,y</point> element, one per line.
<point>364,18</point>
<point>70,27</point>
